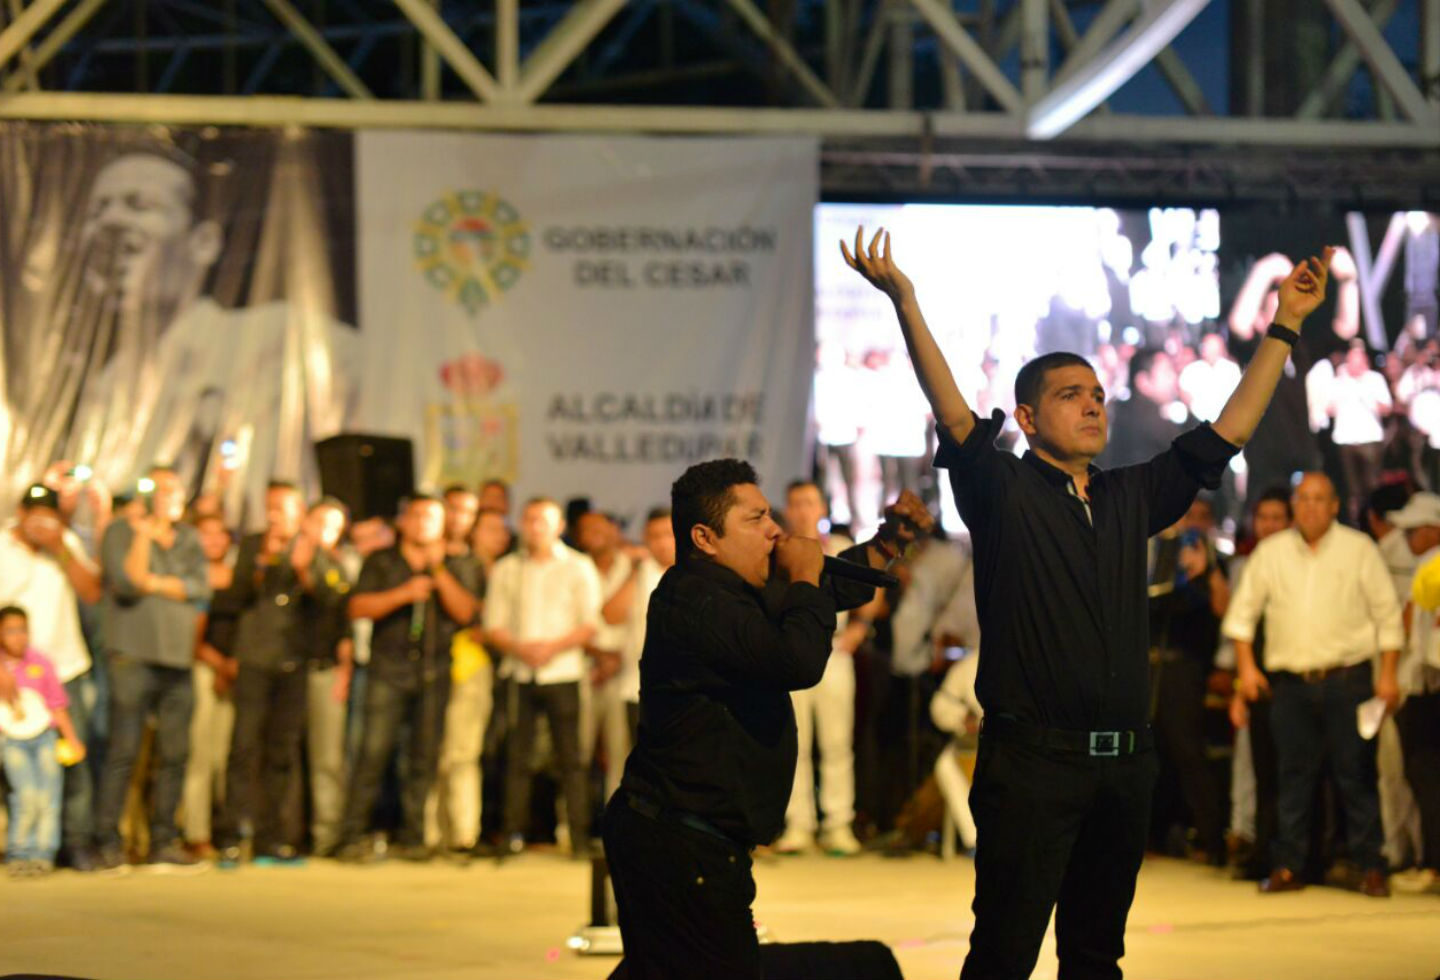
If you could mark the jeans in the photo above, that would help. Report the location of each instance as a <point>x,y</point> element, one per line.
<point>1313,721</point>
<point>264,759</point>
<point>78,814</point>
<point>388,709</point>
<point>36,784</point>
<point>136,690</point>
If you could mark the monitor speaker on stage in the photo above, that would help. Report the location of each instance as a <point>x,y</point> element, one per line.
<point>371,474</point>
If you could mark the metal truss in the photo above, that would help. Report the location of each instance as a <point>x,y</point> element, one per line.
<point>942,98</point>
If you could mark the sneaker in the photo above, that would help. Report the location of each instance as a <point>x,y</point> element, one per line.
<point>793,842</point>
<point>356,852</point>
<point>228,858</point>
<point>174,859</point>
<point>1415,881</point>
<point>414,853</point>
<point>459,856</point>
<point>283,856</point>
<point>84,860</point>
<point>41,868</point>
<point>839,842</point>
<point>17,869</point>
<point>111,862</point>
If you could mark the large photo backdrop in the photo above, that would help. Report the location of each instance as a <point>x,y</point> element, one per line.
<point>578,316</point>
<point>586,316</point>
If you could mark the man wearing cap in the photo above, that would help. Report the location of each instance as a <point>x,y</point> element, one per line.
<point>44,570</point>
<point>1418,719</point>
<point>1329,608</point>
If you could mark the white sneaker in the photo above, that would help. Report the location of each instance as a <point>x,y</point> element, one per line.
<point>794,842</point>
<point>839,842</point>
<point>1414,881</point>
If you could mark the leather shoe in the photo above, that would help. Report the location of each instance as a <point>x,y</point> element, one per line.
<point>1281,880</point>
<point>1374,884</point>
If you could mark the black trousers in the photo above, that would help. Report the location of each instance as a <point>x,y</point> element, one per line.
<point>684,898</point>
<point>1056,830</point>
<point>420,711</point>
<point>1267,786</point>
<point>264,765</point>
<point>561,705</point>
<point>1419,723</point>
<point>1180,739</point>
<point>1314,723</point>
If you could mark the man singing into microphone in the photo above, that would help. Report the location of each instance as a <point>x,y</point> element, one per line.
<point>1062,787</point>
<point>742,619</point>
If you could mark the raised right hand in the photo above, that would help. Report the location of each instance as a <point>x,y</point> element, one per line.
<point>877,266</point>
<point>801,559</point>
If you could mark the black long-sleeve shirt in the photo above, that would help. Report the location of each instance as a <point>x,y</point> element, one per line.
<point>277,627</point>
<point>1063,602</point>
<point>717,729</point>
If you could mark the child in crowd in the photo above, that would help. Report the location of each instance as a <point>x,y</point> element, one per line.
<point>31,696</point>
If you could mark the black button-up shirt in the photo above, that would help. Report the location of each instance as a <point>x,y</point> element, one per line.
<point>277,625</point>
<point>717,729</point>
<point>411,646</point>
<point>1063,602</point>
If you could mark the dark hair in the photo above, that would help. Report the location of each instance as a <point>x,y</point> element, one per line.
<point>1387,497</point>
<point>703,494</point>
<point>8,611</point>
<point>1030,381</point>
<point>422,498</point>
<point>1278,495</point>
<point>495,481</point>
<point>162,468</point>
<point>285,485</point>
<point>458,488</point>
<point>657,514</point>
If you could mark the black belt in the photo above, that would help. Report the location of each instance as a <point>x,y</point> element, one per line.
<point>1320,674</point>
<point>651,810</point>
<point>1099,744</point>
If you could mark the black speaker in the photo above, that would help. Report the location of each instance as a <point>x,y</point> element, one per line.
<point>371,474</point>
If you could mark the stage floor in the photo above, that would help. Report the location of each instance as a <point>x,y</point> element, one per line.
<point>438,921</point>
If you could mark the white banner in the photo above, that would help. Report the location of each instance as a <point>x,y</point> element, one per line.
<point>586,316</point>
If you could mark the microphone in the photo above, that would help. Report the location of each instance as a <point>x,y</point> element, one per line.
<point>855,572</point>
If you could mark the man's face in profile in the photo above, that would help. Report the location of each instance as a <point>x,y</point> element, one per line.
<point>140,229</point>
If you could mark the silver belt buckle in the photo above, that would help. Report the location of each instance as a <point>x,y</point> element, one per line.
<point>1105,743</point>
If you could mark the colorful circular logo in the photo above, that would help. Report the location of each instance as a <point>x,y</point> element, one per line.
<point>473,246</point>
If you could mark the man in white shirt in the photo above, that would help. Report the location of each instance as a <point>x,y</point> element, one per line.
<point>629,605</point>
<point>1329,608</point>
<point>542,608</point>
<point>44,570</point>
<point>1359,401</point>
<point>1207,382</point>
<point>825,712</point>
<point>605,723</point>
